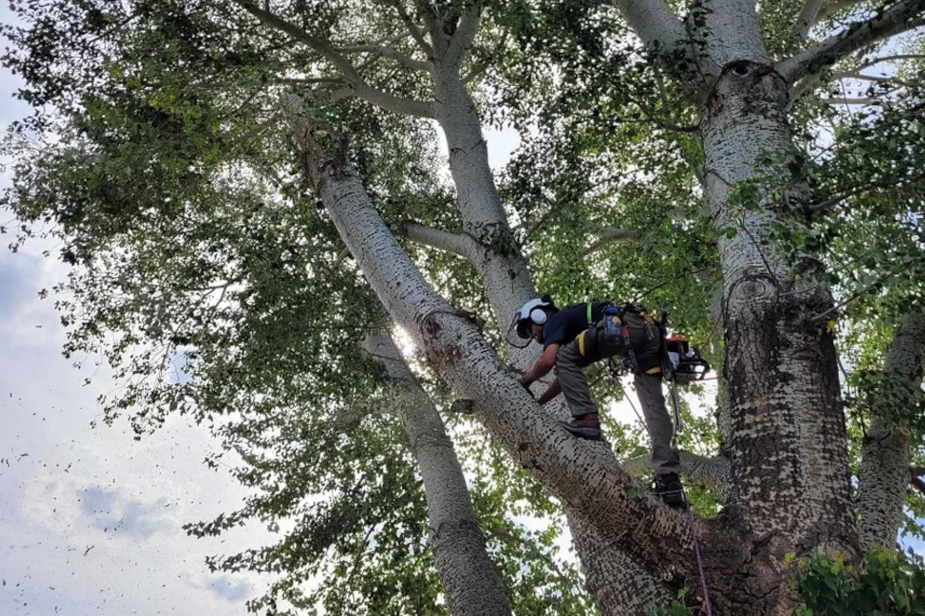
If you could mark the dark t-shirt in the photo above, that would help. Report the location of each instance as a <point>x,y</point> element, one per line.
<point>565,325</point>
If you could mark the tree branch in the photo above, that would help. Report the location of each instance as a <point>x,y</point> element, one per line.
<point>458,243</point>
<point>465,33</point>
<point>610,234</point>
<point>876,78</point>
<point>388,52</point>
<point>901,56</point>
<point>807,17</point>
<point>415,32</point>
<point>360,87</point>
<point>918,484</point>
<point>894,20</point>
<point>851,101</point>
<point>713,472</point>
<point>835,7</point>
<point>654,22</point>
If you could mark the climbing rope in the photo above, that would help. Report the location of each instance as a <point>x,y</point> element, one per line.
<point>703,577</point>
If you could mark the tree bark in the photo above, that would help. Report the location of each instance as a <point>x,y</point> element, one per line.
<point>884,472</point>
<point>787,435</point>
<point>473,586</point>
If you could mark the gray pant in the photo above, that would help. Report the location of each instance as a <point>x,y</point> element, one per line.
<point>570,364</point>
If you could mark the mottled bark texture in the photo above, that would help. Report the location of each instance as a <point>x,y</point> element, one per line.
<point>884,473</point>
<point>787,441</point>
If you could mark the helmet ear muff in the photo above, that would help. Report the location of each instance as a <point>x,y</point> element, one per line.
<point>538,316</point>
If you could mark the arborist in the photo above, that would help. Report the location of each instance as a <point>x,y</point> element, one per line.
<point>579,335</point>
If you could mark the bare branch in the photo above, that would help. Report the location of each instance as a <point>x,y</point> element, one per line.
<point>412,28</point>
<point>898,18</point>
<point>807,17</point>
<point>875,78</point>
<point>901,56</point>
<point>610,234</point>
<point>835,7</point>
<point>388,52</point>
<point>916,471</point>
<point>477,71</point>
<point>458,243</point>
<point>851,101</point>
<point>360,87</point>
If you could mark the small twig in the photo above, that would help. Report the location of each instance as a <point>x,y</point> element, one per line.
<point>854,296</point>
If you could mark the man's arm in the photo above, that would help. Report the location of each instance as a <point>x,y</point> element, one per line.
<point>551,392</point>
<point>543,364</point>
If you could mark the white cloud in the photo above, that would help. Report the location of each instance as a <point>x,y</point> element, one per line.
<point>91,520</point>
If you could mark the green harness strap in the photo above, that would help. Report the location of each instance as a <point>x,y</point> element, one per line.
<point>590,322</point>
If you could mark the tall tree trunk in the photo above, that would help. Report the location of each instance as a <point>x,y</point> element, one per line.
<point>787,435</point>
<point>473,586</point>
<point>884,472</point>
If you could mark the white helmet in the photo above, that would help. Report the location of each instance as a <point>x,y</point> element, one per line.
<point>531,313</point>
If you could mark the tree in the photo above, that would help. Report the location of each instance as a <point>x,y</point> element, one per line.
<point>786,489</point>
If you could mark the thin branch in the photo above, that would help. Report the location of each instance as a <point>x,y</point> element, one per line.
<point>359,85</point>
<point>461,244</point>
<point>388,52</point>
<point>835,7</point>
<point>916,471</point>
<point>894,20</point>
<point>818,208</point>
<point>851,101</point>
<point>308,81</point>
<point>807,17</point>
<point>874,78</point>
<point>413,30</point>
<point>610,234</point>
<point>855,295</point>
<point>901,56</point>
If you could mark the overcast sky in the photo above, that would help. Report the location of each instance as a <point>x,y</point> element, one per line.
<point>90,520</point>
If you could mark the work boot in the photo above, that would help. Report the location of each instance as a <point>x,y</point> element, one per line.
<point>584,426</point>
<point>668,487</point>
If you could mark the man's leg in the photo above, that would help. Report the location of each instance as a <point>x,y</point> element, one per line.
<point>664,457</point>
<point>570,364</point>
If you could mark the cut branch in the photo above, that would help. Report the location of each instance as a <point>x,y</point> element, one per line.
<point>898,18</point>
<point>360,87</point>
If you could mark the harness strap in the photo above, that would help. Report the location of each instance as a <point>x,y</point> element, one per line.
<point>590,322</point>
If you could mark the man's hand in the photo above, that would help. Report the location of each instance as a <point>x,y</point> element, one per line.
<point>525,385</point>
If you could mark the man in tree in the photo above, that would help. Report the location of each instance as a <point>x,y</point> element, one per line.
<point>579,335</point>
